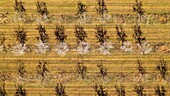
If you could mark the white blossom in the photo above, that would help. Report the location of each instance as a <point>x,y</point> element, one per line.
<point>127,47</point>
<point>19,49</point>
<point>62,48</point>
<point>105,48</point>
<point>145,48</point>
<point>42,47</point>
<point>83,47</point>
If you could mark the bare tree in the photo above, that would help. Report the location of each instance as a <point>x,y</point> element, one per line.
<point>43,38</point>
<point>20,91</point>
<point>21,35</point>
<point>138,34</point>
<point>160,91</point>
<point>120,90</point>
<point>140,40</point>
<point>3,91</point>
<point>60,33</point>
<point>101,34</point>
<point>80,34</point>
<point>19,8</point>
<point>42,8</point>
<point>101,8</point>
<point>139,90</point>
<point>61,47</point>
<point>60,90</point>
<point>121,36</point>
<point>42,69</point>
<point>100,90</point>
<point>21,69</point>
<point>81,10</point>
<point>81,70</point>
<point>162,68</point>
<point>103,70</point>
<point>42,34</point>
<point>141,69</point>
<point>137,7</point>
<point>102,37</point>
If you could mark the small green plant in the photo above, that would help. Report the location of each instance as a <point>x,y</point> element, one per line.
<point>81,70</point>
<point>20,91</point>
<point>120,91</point>
<point>100,90</point>
<point>160,91</point>
<point>162,68</point>
<point>60,90</point>
<point>139,90</point>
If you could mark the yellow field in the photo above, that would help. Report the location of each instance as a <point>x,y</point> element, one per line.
<point>62,68</point>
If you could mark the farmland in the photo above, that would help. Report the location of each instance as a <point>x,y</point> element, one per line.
<point>122,67</point>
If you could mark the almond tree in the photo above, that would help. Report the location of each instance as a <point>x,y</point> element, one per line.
<point>21,35</point>
<point>42,9</point>
<point>139,90</point>
<point>43,39</point>
<point>137,7</point>
<point>62,47</point>
<point>121,37</point>
<point>81,70</point>
<point>60,90</point>
<point>20,91</point>
<point>120,91</point>
<point>42,69</point>
<point>162,68</point>
<point>160,91</point>
<point>100,90</point>
<point>3,91</point>
<point>140,40</point>
<point>102,37</point>
<point>81,35</point>
<point>19,8</point>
